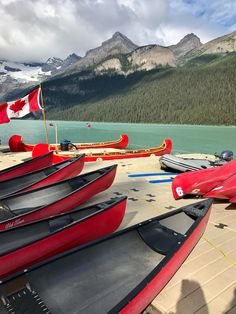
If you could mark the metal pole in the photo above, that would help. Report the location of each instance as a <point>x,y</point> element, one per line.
<point>44,115</point>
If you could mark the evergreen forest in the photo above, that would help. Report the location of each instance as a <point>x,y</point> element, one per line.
<point>200,92</point>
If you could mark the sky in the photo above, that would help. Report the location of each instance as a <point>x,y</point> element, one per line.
<point>35,30</point>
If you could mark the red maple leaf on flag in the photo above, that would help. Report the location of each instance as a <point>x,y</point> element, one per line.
<point>18,105</point>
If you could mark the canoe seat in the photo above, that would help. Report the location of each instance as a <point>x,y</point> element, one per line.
<point>159,238</point>
<point>25,302</point>
<point>5,213</point>
<point>18,297</point>
<point>60,222</point>
<point>196,210</point>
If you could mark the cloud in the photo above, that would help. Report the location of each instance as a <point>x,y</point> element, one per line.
<point>34,30</point>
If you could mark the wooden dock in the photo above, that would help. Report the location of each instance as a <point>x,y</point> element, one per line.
<point>206,282</point>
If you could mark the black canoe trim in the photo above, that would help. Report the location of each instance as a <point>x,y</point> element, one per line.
<point>55,228</point>
<point>168,256</point>
<point>26,162</point>
<point>207,204</point>
<point>34,177</point>
<point>102,171</point>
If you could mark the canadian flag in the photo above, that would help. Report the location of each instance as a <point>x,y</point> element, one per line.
<point>21,107</point>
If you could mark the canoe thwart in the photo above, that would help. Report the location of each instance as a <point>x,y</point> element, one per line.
<point>60,222</point>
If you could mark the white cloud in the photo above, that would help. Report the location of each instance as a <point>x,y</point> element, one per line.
<point>34,30</point>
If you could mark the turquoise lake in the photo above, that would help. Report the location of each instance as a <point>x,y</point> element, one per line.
<point>185,138</point>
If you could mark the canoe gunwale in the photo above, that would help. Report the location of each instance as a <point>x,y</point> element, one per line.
<point>16,144</point>
<point>164,148</point>
<point>117,201</point>
<point>49,173</point>
<point>108,169</point>
<point>121,307</point>
<point>48,157</point>
<point>147,280</point>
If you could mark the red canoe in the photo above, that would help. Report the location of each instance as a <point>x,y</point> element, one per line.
<point>31,165</point>
<point>22,247</point>
<point>201,182</point>
<point>63,170</point>
<point>165,148</point>
<point>121,273</point>
<point>225,190</point>
<point>16,144</point>
<point>51,200</point>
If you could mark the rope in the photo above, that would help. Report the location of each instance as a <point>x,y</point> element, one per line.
<point>226,256</point>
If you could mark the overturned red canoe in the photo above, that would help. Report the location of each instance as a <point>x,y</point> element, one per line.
<point>63,170</point>
<point>165,148</point>
<point>16,144</point>
<point>31,165</point>
<point>121,273</point>
<point>50,200</point>
<point>201,182</point>
<point>225,190</point>
<point>22,247</point>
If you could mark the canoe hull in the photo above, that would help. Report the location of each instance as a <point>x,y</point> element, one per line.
<point>146,296</point>
<point>64,204</point>
<point>42,177</point>
<point>165,148</point>
<point>40,162</point>
<point>16,144</point>
<point>201,182</point>
<point>94,271</point>
<point>98,225</point>
<point>67,172</point>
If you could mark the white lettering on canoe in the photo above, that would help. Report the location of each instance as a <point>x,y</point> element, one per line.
<point>179,191</point>
<point>217,188</point>
<point>195,191</point>
<point>14,223</point>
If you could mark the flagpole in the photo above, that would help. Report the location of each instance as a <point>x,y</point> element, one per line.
<point>56,137</point>
<point>44,115</point>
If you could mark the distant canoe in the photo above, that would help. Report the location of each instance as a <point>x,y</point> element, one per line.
<point>110,154</point>
<point>16,144</point>
<point>121,273</point>
<point>22,247</point>
<point>23,208</point>
<point>61,171</point>
<point>28,166</point>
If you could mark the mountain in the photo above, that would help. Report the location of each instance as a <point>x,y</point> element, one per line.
<point>184,83</point>
<point>202,94</point>
<point>220,45</point>
<point>185,45</point>
<point>54,65</point>
<point>143,58</point>
<point>117,44</point>
<point>120,55</point>
<point>16,75</point>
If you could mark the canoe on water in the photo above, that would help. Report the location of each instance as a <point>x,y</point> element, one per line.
<point>53,199</point>
<point>16,144</point>
<point>30,165</point>
<point>45,176</point>
<point>201,182</point>
<point>121,273</point>
<point>23,246</point>
<point>94,155</point>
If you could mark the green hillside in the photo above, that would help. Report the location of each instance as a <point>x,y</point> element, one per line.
<point>201,92</point>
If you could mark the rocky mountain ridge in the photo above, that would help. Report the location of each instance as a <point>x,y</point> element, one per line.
<point>220,45</point>
<point>118,55</point>
<point>185,45</point>
<point>148,57</point>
